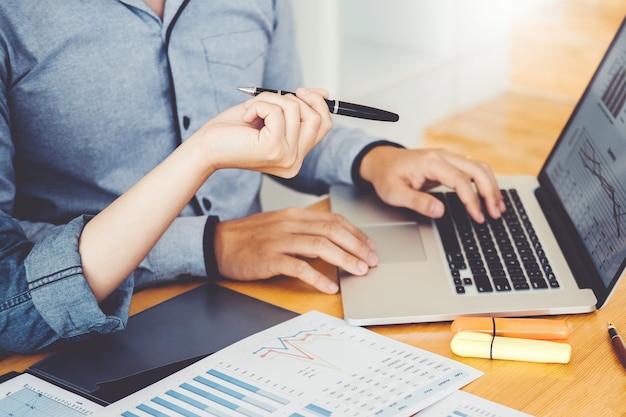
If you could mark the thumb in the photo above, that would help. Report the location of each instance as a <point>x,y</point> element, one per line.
<point>402,195</point>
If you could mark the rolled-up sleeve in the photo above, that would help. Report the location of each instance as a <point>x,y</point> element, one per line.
<point>61,295</point>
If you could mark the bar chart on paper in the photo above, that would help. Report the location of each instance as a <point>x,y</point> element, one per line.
<point>28,396</point>
<point>464,404</point>
<point>311,366</point>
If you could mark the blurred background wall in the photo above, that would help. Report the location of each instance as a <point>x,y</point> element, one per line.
<point>423,59</point>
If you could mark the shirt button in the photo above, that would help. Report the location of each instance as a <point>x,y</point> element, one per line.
<point>186,122</point>
<point>206,203</point>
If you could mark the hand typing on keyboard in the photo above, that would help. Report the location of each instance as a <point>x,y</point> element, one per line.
<point>501,254</point>
<point>401,178</point>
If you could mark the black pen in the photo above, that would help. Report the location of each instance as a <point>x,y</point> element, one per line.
<point>337,107</point>
<point>618,345</point>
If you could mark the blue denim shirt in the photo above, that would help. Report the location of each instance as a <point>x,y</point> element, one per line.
<point>94,94</point>
<point>31,278</point>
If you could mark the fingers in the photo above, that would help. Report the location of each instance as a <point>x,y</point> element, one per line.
<point>278,243</point>
<point>295,123</point>
<point>336,241</point>
<point>326,236</point>
<point>402,195</point>
<point>302,270</point>
<point>470,179</point>
<point>400,176</point>
<point>316,120</point>
<point>471,176</point>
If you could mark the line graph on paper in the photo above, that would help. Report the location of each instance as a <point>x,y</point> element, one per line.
<point>600,215</point>
<point>29,396</point>
<point>329,359</point>
<point>299,346</point>
<point>29,403</point>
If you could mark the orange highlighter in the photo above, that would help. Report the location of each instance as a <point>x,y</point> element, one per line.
<point>525,328</point>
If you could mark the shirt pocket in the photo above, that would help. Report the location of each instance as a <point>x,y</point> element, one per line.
<point>235,60</point>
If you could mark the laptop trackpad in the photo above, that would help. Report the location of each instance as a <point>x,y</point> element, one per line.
<point>397,243</point>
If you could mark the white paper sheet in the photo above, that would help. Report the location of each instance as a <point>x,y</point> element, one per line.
<point>28,396</point>
<point>464,404</point>
<point>313,365</point>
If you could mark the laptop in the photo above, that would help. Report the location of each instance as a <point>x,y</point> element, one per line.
<point>564,254</point>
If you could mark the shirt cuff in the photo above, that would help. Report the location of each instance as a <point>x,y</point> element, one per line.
<point>62,295</point>
<point>356,164</point>
<point>210,261</point>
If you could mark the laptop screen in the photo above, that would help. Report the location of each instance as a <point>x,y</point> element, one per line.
<point>587,168</point>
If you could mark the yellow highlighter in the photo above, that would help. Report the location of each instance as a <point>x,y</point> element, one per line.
<point>481,345</point>
<point>542,329</point>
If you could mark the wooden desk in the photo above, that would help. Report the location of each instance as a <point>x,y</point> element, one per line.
<point>592,384</point>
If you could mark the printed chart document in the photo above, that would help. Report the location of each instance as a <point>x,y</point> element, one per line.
<point>464,404</point>
<point>313,365</point>
<point>28,396</point>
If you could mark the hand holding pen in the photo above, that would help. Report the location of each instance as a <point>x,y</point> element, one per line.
<point>337,107</point>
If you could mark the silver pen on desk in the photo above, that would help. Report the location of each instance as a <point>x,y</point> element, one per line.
<point>337,107</point>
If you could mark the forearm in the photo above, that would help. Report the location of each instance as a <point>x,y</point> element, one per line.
<point>115,241</point>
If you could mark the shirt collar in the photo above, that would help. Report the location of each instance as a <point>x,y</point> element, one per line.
<point>171,8</point>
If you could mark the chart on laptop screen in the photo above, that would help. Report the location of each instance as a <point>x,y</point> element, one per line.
<point>588,170</point>
<point>600,216</point>
<point>614,95</point>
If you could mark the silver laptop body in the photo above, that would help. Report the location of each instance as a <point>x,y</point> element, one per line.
<point>577,207</point>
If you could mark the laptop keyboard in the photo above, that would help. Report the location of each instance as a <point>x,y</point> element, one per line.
<point>499,255</point>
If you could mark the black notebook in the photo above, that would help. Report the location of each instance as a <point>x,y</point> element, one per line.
<point>157,342</point>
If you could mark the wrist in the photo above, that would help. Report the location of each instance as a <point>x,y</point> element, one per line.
<point>198,154</point>
<point>360,173</point>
